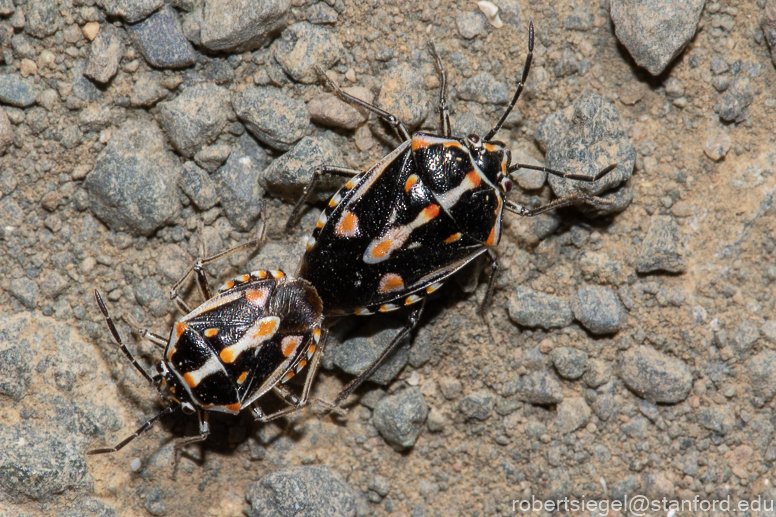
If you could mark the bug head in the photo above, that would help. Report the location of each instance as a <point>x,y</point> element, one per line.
<point>493,160</point>
<point>170,389</point>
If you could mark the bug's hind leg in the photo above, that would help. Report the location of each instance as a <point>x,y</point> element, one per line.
<point>143,428</point>
<point>318,173</point>
<point>204,432</point>
<point>392,346</point>
<point>558,203</point>
<point>392,120</point>
<point>444,114</point>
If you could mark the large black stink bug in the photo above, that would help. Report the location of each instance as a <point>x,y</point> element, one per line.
<point>245,341</point>
<point>393,234</point>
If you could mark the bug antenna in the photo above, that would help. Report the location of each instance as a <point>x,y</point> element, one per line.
<point>520,85</point>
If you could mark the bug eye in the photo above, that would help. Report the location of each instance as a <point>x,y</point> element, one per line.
<point>506,184</point>
<point>188,408</point>
<point>474,139</point>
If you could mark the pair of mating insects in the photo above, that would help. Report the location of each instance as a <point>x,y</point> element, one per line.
<point>390,237</point>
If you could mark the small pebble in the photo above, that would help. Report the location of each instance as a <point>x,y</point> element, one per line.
<point>530,308</point>
<point>717,145</point>
<point>569,362</point>
<point>399,418</point>
<point>598,309</point>
<point>655,376</point>
<point>91,30</point>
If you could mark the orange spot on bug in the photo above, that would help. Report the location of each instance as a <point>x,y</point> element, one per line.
<point>390,282</point>
<point>381,248</point>
<point>348,225</point>
<point>228,285</point>
<point>256,297</point>
<point>431,211</point>
<point>170,354</point>
<point>410,182</point>
<point>242,377</point>
<point>234,407</point>
<point>454,237</point>
<point>419,142</point>
<point>190,380</point>
<point>301,365</point>
<point>350,184</point>
<point>288,376</point>
<point>289,344</point>
<point>180,328</point>
<point>452,143</point>
<point>316,335</point>
<point>490,147</point>
<point>266,328</point>
<point>492,237</point>
<point>310,350</point>
<point>211,332</point>
<point>228,355</point>
<point>474,178</point>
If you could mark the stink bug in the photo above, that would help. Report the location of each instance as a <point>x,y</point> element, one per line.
<point>248,339</point>
<point>393,234</point>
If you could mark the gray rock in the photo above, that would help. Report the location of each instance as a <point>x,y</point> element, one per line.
<point>133,184</point>
<point>303,45</point>
<point>88,508</point>
<point>655,31</point>
<point>287,176</point>
<point>485,89</point>
<point>403,94</point>
<point>569,362</point>
<point>655,376</point>
<point>467,124</point>
<point>237,183</point>
<point>637,428</point>
<point>603,406</point>
<point>768,25</point>
<point>161,41</point>
<point>598,309</point>
<point>309,491</point>
<point>718,145</point>
<point>399,418</point>
<point>573,413</point>
<point>105,54</point>
<point>271,116</point>
<point>744,337</point>
<point>148,90</point>
<point>659,250</point>
<point>321,14</point>
<point>15,371</point>
<point>470,24</point>
<point>41,17</point>
<point>149,294</point>
<point>83,88</point>
<point>451,388</point>
<point>173,261</point>
<point>10,212</point>
<point>212,157</point>
<point>539,388</point>
<point>761,372</point>
<point>734,102</point>
<point>53,285</point>
<point>241,25</point>
<point>649,410</point>
<point>197,184</point>
<point>721,420</point>
<point>195,118</point>
<point>26,291</point>
<point>578,20</point>
<point>329,110</point>
<point>357,352</point>
<point>585,138</point>
<point>17,91</point>
<point>6,132</point>
<point>478,405</point>
<point>531,308</point>
<point>528,179</point>
<point>597,373</point>
<point>130,10</point>
<point>768,331</point>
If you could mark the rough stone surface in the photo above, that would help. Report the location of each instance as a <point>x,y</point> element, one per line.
<point>241,25</point>
<point>470,24</point>
<point>132,11</point>
<point>212,157</point>
<point>16,91</point>
<point>768,25</point>
<point>41,17</point>
<point>198,185</point>
<point>105,54</point>
<point>584,139</point>
<point>734,102</point>
<point>717,145</point>
<point>271,116</point>
<point>399,418</point>
<point>478,405</point>
<point>301,46</point>
<point>598,309</point>
<point>403,94</point>
<point>569,362</point>
<point>6,132</point>
<point>148,90</point>
<point>133,184</point>
<point>660,249</point>
<point>530,308</point>
<point>655,31</point>
<point>307,491</point>
<point>485,89</point>
<point>357,352</point>
<point>288,175</point>
<point>237,183</point>
<point>539,387</point>
<point>195,117</point>
<point>761,372</point>
<point>655,376</point>
<point>161,41</point>
<point>573,413</point>
<point>329,110</point>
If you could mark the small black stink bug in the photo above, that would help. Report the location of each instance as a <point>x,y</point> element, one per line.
<point>248,339</point>
<point>393,234</point>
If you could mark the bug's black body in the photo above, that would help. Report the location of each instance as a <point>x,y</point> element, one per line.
<point>394,233</point>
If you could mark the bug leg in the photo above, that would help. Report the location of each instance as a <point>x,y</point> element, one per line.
<point>520,85</point>
<point>558,203</point>
<point>204,431</point>
<point>198,267</point>
<point>143,428</point>
<point>494,270</point>
<point>398,338</point>
<point>117,338</point>
<point>308,190</point>
<point>392,120</point>
<point>581,177</point>
<point>444,115</point>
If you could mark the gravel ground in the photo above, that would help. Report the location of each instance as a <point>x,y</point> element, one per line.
<point>629,350</point>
